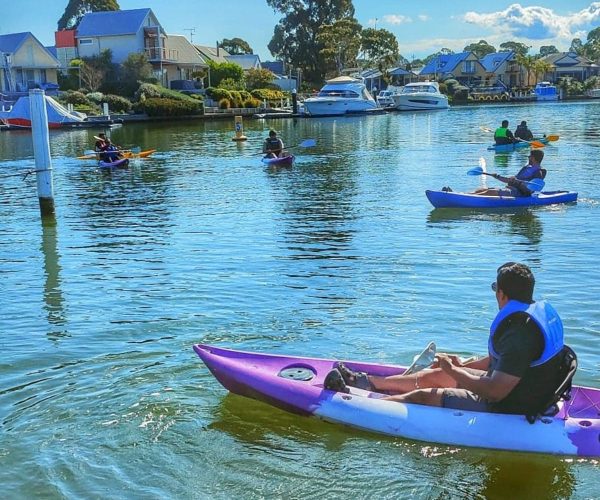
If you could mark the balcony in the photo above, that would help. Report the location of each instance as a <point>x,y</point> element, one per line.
<point>161,54</point>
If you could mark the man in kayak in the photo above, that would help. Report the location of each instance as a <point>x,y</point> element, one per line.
<point>273,146</point>
<point>522,132</point>
<point>517,185</point>
<point>112,152</point>
<point>503,135</point>
<point>521,373</point>
<point>100,144</point>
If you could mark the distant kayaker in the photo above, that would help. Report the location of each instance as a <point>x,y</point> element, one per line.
<point>100,144</point>
<point>521,373</point>
<point>517,185</point>
<point>273,146</point>
<point>111,151</point>
<point>523,132</point>
<point>503,135</point>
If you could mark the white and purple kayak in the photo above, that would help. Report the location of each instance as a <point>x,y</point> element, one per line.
<point>120,163</point>
<point>283,161</point>
<point>295,384</point>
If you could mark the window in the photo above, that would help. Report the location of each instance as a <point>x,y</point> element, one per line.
<point>85,41</point>
<point>469,67</point>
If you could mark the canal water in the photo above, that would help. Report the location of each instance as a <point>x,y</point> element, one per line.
<point>101,395</point>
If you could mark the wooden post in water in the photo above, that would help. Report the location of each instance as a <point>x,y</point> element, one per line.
<point>239,130</point>
<point>41,151</point>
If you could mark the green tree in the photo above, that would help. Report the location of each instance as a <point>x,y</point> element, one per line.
<point>576,46</point>
<point>527,63</point>
<point>258,78</point>
<point>592,45</point>
<point>380,48</point>
<point>295,35</point>
<point>516,47</point>
<point>546,50</point>
<point>341,43</point>
<point>541,68</point>
<point>236,46</point>
<point>76,9</point>
<point>220,71</point>
<point>480,49</point>
<point>443,52</point>
<point>134,70</point>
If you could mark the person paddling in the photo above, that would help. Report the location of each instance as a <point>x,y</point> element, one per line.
<point>522,132</point>
<point>503,135</point>
<point>273,146</point>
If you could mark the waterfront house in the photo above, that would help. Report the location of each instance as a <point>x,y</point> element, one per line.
<point>215,54</point>
<point>246,61</point>
<point>464,67</point>
<point>187,59</point>
<point>570,64</point>
<point>25,64</point>
<point>502,69</point>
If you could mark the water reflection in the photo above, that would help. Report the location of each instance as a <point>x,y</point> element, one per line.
<point>53,296</point>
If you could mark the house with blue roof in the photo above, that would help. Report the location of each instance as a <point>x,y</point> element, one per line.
<point>25,64</point>
<point>502,69</point>
<point>464,67</point>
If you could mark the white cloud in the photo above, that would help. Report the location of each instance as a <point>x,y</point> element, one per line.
<point>537,23</point>
<point>396,19</point>
<point>423,17</point>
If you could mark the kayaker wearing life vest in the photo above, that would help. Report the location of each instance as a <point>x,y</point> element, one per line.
<point>523,132</point>
<point>100,144</point>
<point>517,185</point>
<point>521,373</point>
<point>273,146</point>
<point>503,135</point>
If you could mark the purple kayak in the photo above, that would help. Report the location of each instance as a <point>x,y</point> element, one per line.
<point>295,384</point>
<point>122,162</point>
<point>284,161</point>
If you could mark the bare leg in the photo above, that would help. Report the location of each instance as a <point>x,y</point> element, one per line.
<point>429,397</point>
<point>399,384</point>
<point>486,192</point>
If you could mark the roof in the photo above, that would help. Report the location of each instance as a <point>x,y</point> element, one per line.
<point>277,67</point>
<point>567,59</point>
<point>11,42</point>
<point>186,52</point>
<point>210,53</point>
<point>491,62</point>
<point>114,22</point>
<point>444,63</point>
<point>52,50</point>
<point>246,61</point>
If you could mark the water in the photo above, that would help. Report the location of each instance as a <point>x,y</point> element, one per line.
<point>341,256</point>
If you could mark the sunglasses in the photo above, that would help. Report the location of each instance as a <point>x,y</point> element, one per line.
<point>494,286</point>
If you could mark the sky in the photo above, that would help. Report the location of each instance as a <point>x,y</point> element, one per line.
<point>421,28</point>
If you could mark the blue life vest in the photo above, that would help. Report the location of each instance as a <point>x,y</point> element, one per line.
<point>529,172</point>
<point>545,317</point>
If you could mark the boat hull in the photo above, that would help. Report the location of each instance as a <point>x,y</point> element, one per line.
<point>507,148</point>
<point>284,161</point>
<point>573,431</point>
<point>420,102</point>
<point>121,163</point>
<point>332,106</point>
<point>444,199</point>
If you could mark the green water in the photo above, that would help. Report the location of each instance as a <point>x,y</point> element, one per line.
<point>101,395</point>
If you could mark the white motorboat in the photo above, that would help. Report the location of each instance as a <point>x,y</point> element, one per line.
<point>384,98</point>
<point>340,96</point>
<point>594,93</point>
<point>420,96</point>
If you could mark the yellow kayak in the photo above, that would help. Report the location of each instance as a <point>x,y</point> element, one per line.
<point>126,154</point>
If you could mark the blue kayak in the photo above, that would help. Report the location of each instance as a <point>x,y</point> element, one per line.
<point>445,199</point>
<point>507,148</point>
<point>284,161</point>
<point>121,162</point>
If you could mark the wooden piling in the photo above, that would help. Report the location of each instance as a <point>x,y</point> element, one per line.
<point>41,151</point>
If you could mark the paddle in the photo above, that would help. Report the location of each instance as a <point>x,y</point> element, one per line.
<point>553,137</point>
<point>532,185</point>
<point>306,143</point>
<point>423,360</point>
<point>534,144</point>
<point>89,152</point>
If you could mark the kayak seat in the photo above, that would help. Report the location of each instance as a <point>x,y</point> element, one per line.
<point>568,367</point>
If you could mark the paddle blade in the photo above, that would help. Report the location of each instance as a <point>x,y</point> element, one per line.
<point>537,144</point>
<point>475,171</point>
<point>308,143</point>
<point>423,360</point>
<point>486,129</point>
<point>482,163</point>
<point>535,185</point>
<point>88,152</point>
<point>553,137</point>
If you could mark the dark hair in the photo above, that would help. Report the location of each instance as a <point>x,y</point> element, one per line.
<point>272,133</point>
<point>101,134</point>
<point>538,154</point>
<point>524,123</point>
<point>516,281</point>
<point>505,123</point>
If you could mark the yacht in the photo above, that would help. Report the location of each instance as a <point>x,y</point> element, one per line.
<point>340,96</point>
<point>545,91</point>
<point>420,96</point>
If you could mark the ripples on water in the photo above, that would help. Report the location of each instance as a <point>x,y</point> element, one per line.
<point>341,255</point>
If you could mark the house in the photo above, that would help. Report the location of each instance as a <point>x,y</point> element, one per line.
<point>502,69</point>
<point>570,64</point>
<point>275,67</point>
<point>25,63</point>
<point>215,54</point>
<point>187,61</point>
<point>464,67</point>
<point>374,81</point>
<point>246,61</point>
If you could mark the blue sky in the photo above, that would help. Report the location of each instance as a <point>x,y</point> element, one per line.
<point>420,27</point>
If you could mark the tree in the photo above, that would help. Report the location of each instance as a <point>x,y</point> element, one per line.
<point>592,46</point>
<point>480,49</point>
<point>528,63</point>
<point>341,43</point>
<point>516,47</point>
<point>295,35</point>
<point>76,9</point>
<point>258,78</point>
<point>380,48</point>
<point>443,52</point>
<point>236,46</point>
<point>546,50</point>
<point>541,68</point>
<point>91,76</point>
<point>576,46</point>
<point>220,71</point>
<point>134,69</point>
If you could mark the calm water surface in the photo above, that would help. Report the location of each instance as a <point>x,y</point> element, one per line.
<point>101,395</point>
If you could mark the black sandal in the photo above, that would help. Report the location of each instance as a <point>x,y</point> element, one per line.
<point>335,382</point>
<point>360,380</point>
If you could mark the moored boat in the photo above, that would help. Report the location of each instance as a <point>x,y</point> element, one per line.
<point>420,96</point>
<point>451,199</point>
<point>295,384</point>
<point>545,91</point>
<point>340,96</point>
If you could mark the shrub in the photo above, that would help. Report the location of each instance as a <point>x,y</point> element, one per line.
<point>217,94</point>
<point>149,90</point>
<point>117,103</point>
<point>96,97</point>
<point>146,90</point>
<point>169,107</point>
<point>224,104</point>
<point>268,94</point>
<point>75,97</point>
<point>252,103</point>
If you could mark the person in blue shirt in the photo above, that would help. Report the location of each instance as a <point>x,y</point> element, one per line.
<point>517,185</point>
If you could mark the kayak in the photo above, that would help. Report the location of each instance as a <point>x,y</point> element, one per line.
<point>507,148</point>
<point>284,161</point>
<point>451,199</point>
<point>295,384</point>
<point>126,154</point>
<point>121,162</point>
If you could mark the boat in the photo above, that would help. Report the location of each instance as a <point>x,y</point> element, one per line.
<point>545,91</point>
<point>594,93</point>
<point>19,116</point>
<point>295,384</point>
<point>451,199</point>
<point>120,163</point>
<point>507,148</point>
<point>284,161</point>
<point>419,96</point>
<point>384,98</point>
<point>126,154</point>
<point>340,96</point>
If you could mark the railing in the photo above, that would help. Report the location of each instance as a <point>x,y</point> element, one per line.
<point>161,54</point>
